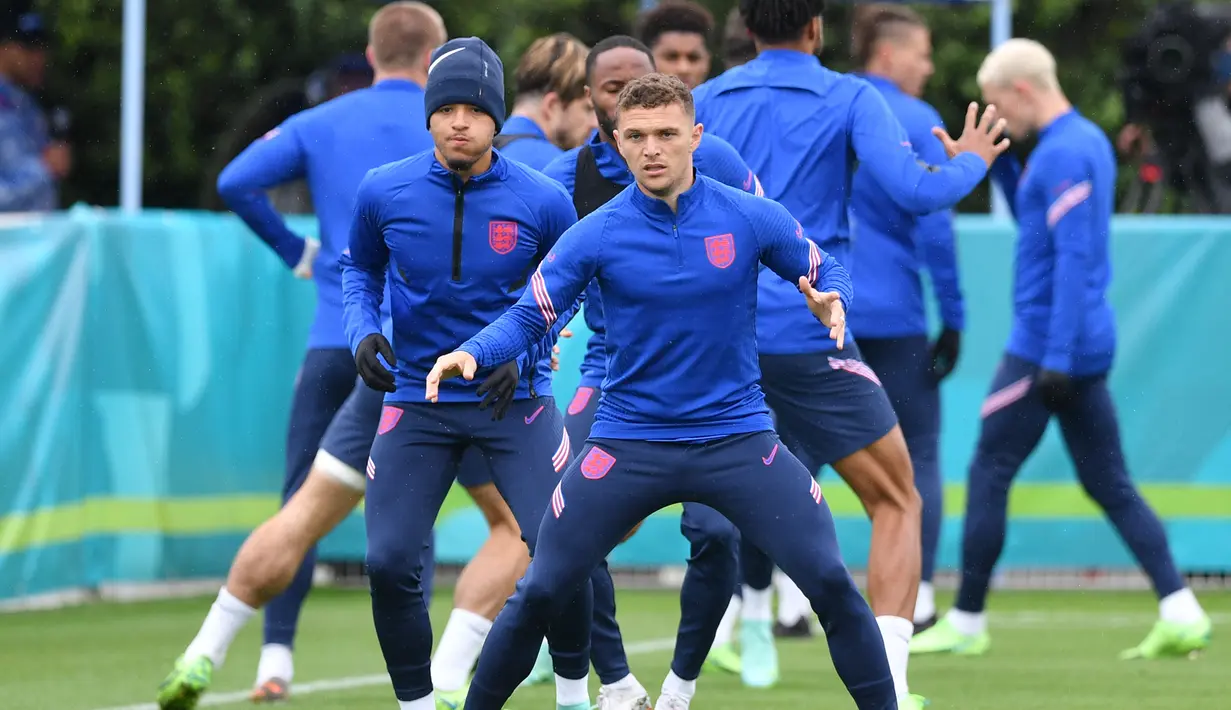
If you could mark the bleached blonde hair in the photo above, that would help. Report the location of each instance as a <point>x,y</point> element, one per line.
<point>1019,59</point>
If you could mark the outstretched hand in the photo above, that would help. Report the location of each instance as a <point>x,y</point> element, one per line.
<point>983,139</point>
<point>447,367</point>
<point>827,307</point>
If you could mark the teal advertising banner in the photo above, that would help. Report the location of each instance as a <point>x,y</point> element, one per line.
<point>149,360</point>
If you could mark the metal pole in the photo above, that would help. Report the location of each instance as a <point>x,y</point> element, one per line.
<point>1002,30</point>
<point>132,106</point>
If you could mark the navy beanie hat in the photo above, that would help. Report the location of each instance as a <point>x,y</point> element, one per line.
<point>466,71</point>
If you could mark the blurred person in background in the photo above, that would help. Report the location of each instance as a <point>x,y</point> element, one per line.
<point>551,113</point>
<point>32,160</point>
<point>677,32</point>
<point>891,248</point>
<point>738,47</point>
<point>332,146</point>
<point>1060,350</point>
<point>802,127</point>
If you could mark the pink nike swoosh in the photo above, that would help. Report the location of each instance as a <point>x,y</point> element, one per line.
<point>530,419</point>
<point>767,460</point>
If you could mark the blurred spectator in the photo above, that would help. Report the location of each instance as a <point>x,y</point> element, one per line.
<point>676,32</point>
<point>737,45</point>
<point>32,160</point>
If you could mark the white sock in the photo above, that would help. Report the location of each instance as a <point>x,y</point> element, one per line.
<point>625,685</point>
<point>967,623</point>
<point>226,617</point>
<point>675,685</point>
<point>792,604</point>
<point>572,692</point>
<point>427,702</point>
<point>726,627</point>
<point>925,602</point>
<point>458,650</point>
<point>896,632</point>
<point>275,662</point>
<point>1180,607</point>
<point>758,604</point>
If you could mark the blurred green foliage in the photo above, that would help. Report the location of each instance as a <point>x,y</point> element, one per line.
<point>205,62</point>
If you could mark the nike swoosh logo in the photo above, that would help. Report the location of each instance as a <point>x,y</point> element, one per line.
<point>767,460</point>
<point>530,419</point>
<point>442,57</point>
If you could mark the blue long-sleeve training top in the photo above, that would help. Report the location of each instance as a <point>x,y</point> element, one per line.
<point>332,146</point>
<point>679,295</point>
<point>714,158</point>
<point>801,128</point>
<point>1063,202</point>
<point>527,143</point>
<point>892,246</point>
<point>457,254</point>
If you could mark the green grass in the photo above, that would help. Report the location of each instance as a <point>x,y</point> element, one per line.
<point>1050,650</point>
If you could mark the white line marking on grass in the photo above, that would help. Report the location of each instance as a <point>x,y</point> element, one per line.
<point>1067,618</point>
<point>363,681</point>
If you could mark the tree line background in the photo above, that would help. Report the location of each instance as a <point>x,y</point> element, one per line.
<point>207,61</point>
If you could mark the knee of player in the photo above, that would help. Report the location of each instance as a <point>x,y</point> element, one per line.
<point>724,539</point>
<point>388,571</point>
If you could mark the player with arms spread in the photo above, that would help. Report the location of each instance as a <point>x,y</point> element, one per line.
<point>677,258</point>
<point>503,217</point>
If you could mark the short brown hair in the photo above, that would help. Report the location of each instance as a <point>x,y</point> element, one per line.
<point>873,23</point>
<point>655,90</point>
<point>400,33</point>
<point>556,63</point>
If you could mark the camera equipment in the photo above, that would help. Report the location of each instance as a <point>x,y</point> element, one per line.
<point>1174,84</point>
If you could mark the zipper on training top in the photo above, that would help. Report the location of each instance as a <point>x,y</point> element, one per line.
<point>458,206</point>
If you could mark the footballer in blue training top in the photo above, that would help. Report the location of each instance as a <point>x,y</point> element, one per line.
<point>890,249</point>
<point>593,174</point>
<point>1056,362</point>
<point>676,256</point>
<point>501,218</point>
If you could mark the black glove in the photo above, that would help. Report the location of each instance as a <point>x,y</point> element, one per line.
<point>500,386</point>
<point>945,351</point>
<point>1054,388</point>
<point>373,373</point>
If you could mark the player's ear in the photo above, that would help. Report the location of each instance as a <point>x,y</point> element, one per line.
<point>552,104</point>
<point>697,130</point>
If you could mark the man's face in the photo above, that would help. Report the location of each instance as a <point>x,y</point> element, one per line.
<point>684,55</point>
<point>612,70</point>
<point>463,134</point>
<point>657,144</point>
<point>910,57</point>
<point>1013,103</point>
<point>26,64</point>
<point>572,123</point>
